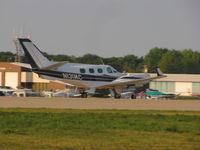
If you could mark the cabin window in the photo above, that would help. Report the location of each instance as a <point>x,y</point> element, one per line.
<point>100,70</point>
<point>82,70</point>
<point>109,70</point>
<point>91,70</point>
<point>114,71</point>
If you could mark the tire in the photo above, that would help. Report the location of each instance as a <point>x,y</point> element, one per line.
<point>117,96</point>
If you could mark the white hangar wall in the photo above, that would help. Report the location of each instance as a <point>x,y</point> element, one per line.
<point>178,83</point>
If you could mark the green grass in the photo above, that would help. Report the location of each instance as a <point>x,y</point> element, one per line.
<point>60,129</point>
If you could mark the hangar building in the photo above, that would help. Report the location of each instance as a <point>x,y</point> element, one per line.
<point>19,77</point>
<point>184,84</point>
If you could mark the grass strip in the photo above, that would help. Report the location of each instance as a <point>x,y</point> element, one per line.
<point>98,129</point>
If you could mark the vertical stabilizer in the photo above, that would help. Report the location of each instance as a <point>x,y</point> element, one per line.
<point>33,54</point>
<point>159,72</point>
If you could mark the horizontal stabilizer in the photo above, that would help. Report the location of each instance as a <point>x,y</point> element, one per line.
<point>55,66</point>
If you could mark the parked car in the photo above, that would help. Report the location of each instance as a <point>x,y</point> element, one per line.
<point>26,93</point>
<point>1,93</point>
<point>6,89</point>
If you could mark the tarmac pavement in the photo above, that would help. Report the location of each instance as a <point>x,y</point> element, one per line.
<point>99,103</point>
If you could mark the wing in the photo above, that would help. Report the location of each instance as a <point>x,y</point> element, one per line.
<point>129,82</point>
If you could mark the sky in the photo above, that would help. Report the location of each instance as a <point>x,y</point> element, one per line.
<point>103,27</point>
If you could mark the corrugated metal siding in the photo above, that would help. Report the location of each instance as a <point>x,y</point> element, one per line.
<point>196,87</point>
<point>163,86</point>
<point>152,85</point>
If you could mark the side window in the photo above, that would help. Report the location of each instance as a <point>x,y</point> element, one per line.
<point>100,70</point>
<point>109,70</point>
<point>91,70</point>
<point>114,71</point>
<point>82,70</point>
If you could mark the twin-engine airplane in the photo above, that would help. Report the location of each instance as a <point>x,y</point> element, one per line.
<point>83,76</point>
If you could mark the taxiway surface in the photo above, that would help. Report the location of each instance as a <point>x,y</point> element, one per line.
<point>98,103</point>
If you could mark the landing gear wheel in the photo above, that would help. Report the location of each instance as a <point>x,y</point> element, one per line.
<point>84,95</point>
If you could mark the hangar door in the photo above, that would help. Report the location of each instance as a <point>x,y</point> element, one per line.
<point>11,79</point>
<point>183,87</point>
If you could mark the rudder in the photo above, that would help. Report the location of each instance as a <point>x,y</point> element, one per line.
<point>34,55</point>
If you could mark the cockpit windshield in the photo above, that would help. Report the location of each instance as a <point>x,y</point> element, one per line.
<point>109,70</point>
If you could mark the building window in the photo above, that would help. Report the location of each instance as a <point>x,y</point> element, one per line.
<point>100,70</point>
<point>82,70</point>
<point>109,70</point>
<point>91,70</point>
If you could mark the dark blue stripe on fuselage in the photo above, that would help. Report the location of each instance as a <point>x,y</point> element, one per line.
<point>74,76</point>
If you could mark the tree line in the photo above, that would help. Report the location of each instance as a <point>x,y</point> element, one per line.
<point>169,61</point>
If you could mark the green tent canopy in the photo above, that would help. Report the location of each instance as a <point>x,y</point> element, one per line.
<point>155,93</point>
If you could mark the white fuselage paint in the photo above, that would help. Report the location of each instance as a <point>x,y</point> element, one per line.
<point>75,68</point>
<point>72,75</point>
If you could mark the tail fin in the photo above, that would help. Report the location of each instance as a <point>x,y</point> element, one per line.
<point>34,55</point>
<point>159,72</point>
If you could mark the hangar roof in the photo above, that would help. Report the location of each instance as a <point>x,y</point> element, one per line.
<point>181,77</point>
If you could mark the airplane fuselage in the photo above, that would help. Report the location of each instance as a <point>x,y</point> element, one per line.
<point>85,75</point>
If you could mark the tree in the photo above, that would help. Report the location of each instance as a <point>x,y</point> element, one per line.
<point>90,59</point>
<point>130,63</point>
<point>153,57</point>
<point>171,62</point>
<point>115,62</point>
<point>196,63</point>
<point>7,56</point>
<point>191,61</point>
<point>61,57</point>
<point>140,65</point>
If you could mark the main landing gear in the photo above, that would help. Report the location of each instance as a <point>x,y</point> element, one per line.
<point>84,95</point>
<point>117,96</point>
